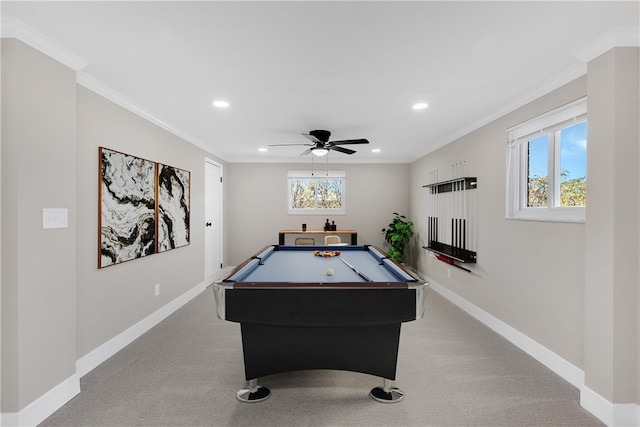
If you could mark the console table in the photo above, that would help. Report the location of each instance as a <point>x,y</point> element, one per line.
<point>352,233</point>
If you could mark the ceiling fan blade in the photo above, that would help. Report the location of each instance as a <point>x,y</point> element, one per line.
<point>312,138</point>
<point>285,145</point>
<point>350,141</point>
<point>305,152</point>
<point>340,149</point>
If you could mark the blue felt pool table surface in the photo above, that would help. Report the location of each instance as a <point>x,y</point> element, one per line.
<point>295,264</point>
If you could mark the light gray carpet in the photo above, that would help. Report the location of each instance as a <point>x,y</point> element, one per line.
<point>454,372</point>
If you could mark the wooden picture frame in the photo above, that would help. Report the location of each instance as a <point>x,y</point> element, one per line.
<point>126,207</point>
<point>173,207</point>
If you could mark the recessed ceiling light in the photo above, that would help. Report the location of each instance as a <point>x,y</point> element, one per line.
<point>375,150</point>
<point>262,149</point>
<point>420,106</point>
<point>220,103</point>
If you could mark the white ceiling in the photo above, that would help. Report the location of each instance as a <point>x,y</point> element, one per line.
<point>354,68</point>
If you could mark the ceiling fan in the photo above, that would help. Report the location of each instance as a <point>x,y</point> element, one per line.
<point>320,144</point>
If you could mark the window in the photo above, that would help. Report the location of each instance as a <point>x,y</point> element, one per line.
<point>316,193</point>
<point>547,166</point>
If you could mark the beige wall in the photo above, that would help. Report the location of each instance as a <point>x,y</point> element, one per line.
<point>112,299</point>
<point>529,274</point>
<point>38,266</point>
<point>613,215</point>
<point>56,305</point>
<point>571,287</point>
<point>256,207</point>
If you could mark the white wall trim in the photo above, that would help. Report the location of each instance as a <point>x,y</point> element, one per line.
<point>609,413</point>
<point>618,37</point>
<point>41,408</point>
<point>600,407</point>
<point>212,278</point>
<point>626,414</point>
<point>612,414</point>
<point>54,399</point>
<point>568,75</point>
<point>557,364</point>
<point>91,83</point>
<point>14,28</point>
<point>87,363</point>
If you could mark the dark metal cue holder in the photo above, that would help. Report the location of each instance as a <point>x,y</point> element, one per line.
<point>456,251</point>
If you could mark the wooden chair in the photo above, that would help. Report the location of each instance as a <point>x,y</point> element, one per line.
<point>308,241</point>
<point>332,240</point>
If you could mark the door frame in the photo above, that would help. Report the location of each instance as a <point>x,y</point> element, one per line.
<point>208,160</point>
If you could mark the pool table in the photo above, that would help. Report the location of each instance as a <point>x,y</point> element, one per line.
<point>320,307</point>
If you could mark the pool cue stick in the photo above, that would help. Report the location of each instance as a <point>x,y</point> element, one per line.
<point>430,233</point>
<point>436,203</point>
<point>457,212</point>
<point>460,211</point>
<point>433,207</point>
<point>460,175</point>
<point>453,208</point>
<point>451,262</point>
<point>466,207</point>
<point>358,272</point>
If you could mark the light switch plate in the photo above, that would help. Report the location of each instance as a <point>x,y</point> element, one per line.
<point>55,218</point>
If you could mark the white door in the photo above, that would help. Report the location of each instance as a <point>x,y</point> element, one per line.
<point>213,220</point>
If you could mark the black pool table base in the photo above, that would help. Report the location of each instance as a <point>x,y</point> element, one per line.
<point>256,393</point>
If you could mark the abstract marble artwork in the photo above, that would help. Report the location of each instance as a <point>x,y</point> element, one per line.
<point>126,207</point>
<point>173,207</point>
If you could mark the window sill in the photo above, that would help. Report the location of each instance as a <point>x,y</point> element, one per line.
<point>576,215</point>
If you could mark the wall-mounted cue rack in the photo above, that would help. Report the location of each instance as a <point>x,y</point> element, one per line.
<point>450,228</point>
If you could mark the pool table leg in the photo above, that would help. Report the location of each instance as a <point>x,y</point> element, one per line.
<point>255,393</point>
<point>386,393</point>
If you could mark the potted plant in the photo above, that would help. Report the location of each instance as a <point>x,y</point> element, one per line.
<point>397,234</point>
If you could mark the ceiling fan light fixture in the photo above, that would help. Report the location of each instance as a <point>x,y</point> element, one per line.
<point>318,151</point>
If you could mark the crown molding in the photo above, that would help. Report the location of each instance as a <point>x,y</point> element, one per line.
<point>14,28</point>
<point>555,82</point>
<point>618,37</point>
<point>94,85</point>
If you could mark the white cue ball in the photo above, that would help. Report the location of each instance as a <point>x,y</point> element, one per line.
<point>329,271</point>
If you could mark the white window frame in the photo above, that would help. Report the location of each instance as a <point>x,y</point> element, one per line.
<point>318,176</point>
<point>551,124</point>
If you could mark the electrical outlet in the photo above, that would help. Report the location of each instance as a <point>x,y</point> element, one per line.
<point>157,288</point>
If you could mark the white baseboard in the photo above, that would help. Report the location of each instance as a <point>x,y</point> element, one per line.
<point>47,404</point>
<point>557,364</point>
<point>626,414</point>
<point>622,415</point>
<point>54,399</point>
<point>87,363</point>
<point>612,414</point>
<point>38,410</point>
